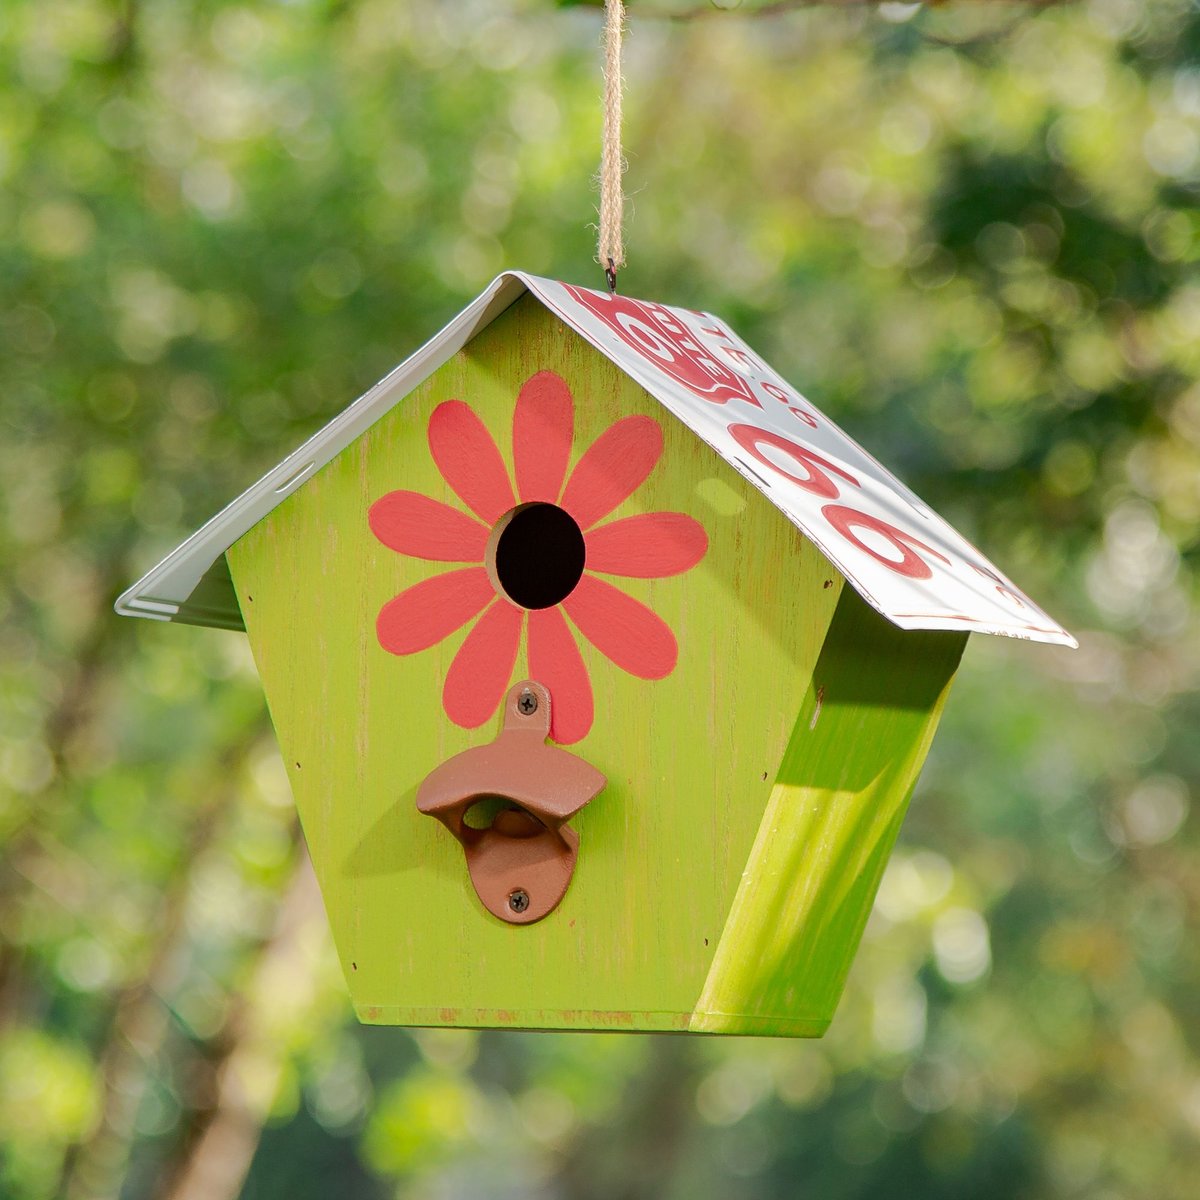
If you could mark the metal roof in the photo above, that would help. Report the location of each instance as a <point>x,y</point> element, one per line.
<point>904,559</point>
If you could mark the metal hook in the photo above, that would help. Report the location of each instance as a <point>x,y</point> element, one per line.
<point>610,275</point>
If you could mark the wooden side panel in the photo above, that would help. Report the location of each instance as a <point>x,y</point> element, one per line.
<point>690,758</point>
<point>863,732</point>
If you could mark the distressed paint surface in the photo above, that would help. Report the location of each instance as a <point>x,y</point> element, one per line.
<point>555,565</point>
<point>691,759</point>
<point>861,737</point>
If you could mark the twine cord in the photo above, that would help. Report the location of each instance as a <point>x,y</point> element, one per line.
<point>611,250</point>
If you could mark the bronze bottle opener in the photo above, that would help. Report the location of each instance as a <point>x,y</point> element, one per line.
<point>522,864</point>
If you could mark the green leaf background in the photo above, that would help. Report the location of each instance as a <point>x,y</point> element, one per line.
<point>969,234</point>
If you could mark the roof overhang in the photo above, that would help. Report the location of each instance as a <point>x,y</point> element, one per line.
<point>905,560</point>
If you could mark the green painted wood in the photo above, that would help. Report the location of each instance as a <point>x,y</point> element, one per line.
<point>861,737</point>
<point>692,760</point>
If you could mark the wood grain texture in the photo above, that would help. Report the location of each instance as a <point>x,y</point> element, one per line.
<point>554,659</point>
<point>651,546</point>
<point>862,734</point>
<point>543,429</point>
<point>692,759</point>
<point>430,611</point>
<point>413,524</point>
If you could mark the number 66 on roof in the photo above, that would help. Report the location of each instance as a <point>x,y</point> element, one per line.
<point>571,581</point>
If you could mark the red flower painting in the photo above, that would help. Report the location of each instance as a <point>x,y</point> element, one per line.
<point>538,549</point>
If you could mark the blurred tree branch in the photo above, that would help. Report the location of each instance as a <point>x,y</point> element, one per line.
<point>96,1169</point>
<point>84,677</point>
<point>712,8</point>
<point>647,1142</point>
<point>225,1133</point>
<point>123,40</point>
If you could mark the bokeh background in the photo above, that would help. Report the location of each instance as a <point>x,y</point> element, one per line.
<point>970,234</point>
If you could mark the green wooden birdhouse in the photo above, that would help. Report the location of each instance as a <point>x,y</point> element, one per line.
<point>602,664</point>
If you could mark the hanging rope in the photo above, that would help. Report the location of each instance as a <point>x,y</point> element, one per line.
<point>612,165</point>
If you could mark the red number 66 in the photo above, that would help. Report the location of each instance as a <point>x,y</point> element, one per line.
<point>817,478</point>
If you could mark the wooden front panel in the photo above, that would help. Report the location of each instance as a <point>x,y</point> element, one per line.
<point>691,758</point>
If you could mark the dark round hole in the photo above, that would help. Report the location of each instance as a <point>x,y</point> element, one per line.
<point>540,556</point>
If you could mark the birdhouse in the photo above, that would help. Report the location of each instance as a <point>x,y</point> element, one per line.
<point>602,665</point>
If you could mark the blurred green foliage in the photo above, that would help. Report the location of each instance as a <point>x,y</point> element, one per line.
<point>971,237</point>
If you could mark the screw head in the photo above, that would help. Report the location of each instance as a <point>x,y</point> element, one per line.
<point>527,702</point>
<point>518,900</point>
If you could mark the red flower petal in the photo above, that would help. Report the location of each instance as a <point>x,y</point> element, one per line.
<point>425,528</point>
<point>623,629</point>
<point>433,609</point>
<point>481,669</point>
<point>614,466</point>
<point>543,426</point>
<point>469,461</point>
<point>554,660</point>
<point>649,546</point>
